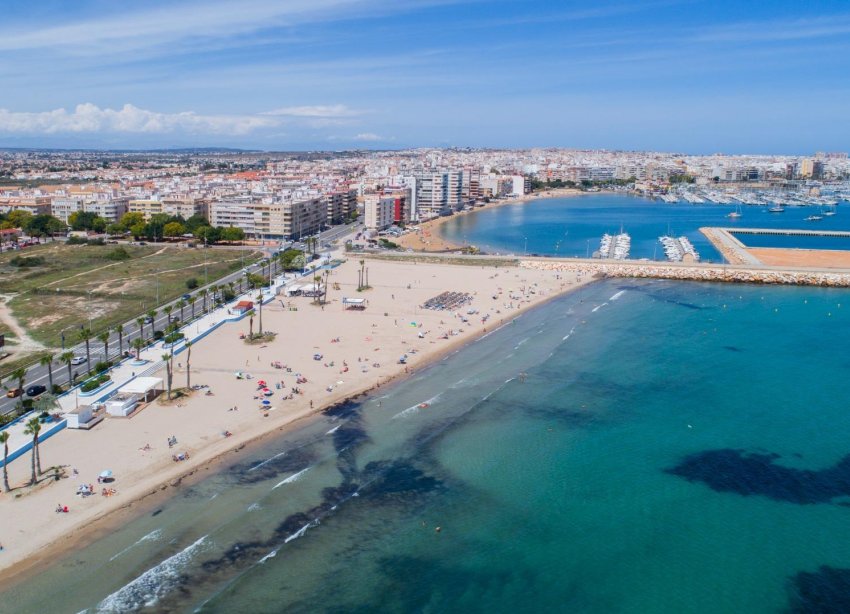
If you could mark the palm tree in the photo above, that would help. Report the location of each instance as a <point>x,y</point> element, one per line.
<point>360,275</point>
<point>67,357</point>
<point>141,323</point>
<point>152,315</point>
<point>168,311</point>
<point>192,300</point>
<point>316,281</point>
<point>167,359</point>
<point>138,344</point>
<point>19,374</point>
<point>260,306</point>
<point>188,365</point>
<point>204,293</point>
<point>120,330</point>
<point>47,361</point>
<point>180,305</point>
<point>104,339</point>
<point>250,323</point>
<point>34,428</point>
<point>4,439</point>
<point>85,335</point>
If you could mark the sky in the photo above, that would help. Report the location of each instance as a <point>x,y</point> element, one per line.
<point>690,76</point>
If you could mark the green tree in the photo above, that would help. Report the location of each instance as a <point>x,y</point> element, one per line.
<point>132,218</point>
<point>168,373</point>
<point>120,330</point>
<point>173,229</point>
<point>181,304</point>
<point>232,234</point>
<point>138,230</point>
<point>34,428</point>
<point>250,315</point>
<point>19,374</point>
<point>18,218</point>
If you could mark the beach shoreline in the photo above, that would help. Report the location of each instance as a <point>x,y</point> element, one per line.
<point>428,239</point>
<point>164,481</point>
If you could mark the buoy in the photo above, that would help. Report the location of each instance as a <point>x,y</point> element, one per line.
<point>438,529</point>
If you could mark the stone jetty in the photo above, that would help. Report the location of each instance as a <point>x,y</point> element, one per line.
<point>654,270</point>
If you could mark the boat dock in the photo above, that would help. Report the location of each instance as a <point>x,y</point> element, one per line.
<point>615,247</point>
<point>735,252</point>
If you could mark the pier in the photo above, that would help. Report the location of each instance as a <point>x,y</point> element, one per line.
<point>735,252</point>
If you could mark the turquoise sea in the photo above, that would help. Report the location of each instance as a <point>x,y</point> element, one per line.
<point>634,447</point>
<point>573,227</point>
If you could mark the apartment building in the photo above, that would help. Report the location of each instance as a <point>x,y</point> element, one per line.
<point>271,220</point>
<point>380,213</point>
<point>341,205</point>
<point>182,207</point>
<point>37,205</point>
<point>437,194</point>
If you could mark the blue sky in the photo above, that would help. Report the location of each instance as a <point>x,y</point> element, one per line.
<point>667,75</point>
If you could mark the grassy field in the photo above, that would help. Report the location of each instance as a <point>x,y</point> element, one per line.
<point>78,284</point>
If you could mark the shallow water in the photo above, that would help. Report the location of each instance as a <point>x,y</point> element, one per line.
<point>573,227</point>
<point>635,447</point>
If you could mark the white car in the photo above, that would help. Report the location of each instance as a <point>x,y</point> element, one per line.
<point>78,360</point>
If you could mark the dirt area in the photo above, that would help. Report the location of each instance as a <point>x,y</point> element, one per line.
<point>816,258</point>
<point>24,343</point>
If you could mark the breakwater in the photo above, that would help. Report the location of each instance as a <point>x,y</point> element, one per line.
<point>654,270</point>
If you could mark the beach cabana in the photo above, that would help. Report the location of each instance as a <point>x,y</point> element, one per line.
<point>243,307</point>
<point>146,388</point>
<point>358,304</point>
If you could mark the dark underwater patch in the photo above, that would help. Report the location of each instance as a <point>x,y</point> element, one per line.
<point>343,410</point>
<point>732,348</point>
<point>397,477</point>
<point>748,474</point>
<point>293,461</point>
<point>236,553</point>
<point>826,591</point>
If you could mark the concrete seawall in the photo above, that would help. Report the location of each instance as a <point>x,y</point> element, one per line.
<point>695,273</point>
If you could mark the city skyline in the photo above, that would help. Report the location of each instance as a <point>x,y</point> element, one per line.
<point>679,76</point>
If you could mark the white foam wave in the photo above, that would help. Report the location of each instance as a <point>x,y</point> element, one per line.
<point>618,295</point>
<point>293,478</point>
<point>300,532</point>
<point>153,584</point>
<point>270,555</point>
<point>415,408</point>
<point>267,461</point>
<point>598,307</point>
<point>152,536</point>
<point>333,430</point>
<point>254,506</point>
<point>569,334</point>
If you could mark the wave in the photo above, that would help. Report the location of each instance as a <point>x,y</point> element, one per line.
<point>152,536</point>
<point>598,307</point>
<point>267,461</point>
<point>415,408</point>
<point>300,532</point>
<point>254,507</point>
<point>293,478</point>
<point>569,334</point>
<point>618,295</point>
<point>333,430</point>
<point>157,581</point>
<point>270,555</point>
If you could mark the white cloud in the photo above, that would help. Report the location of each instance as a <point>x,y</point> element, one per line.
<point>317,111</point>
<point>88,117</point>
<point>369,137</point>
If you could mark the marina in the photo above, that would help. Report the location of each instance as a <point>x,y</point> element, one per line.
<point>679,249</point>
<point>615,247</point>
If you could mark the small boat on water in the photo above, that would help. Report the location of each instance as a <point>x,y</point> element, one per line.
<point>776,209</point>
<point>736,213</point>
<point>814,218</point>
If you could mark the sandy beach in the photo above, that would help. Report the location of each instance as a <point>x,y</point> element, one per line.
<point>427,238</point>
<point>356,350</point>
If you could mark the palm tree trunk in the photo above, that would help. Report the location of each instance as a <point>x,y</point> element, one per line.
<point>88,357</point>
<point>120,342</point>
<point>33,478</point>
<point>38,456</point>
<point>5,467</point>
<point>70,377</point>
<point>50,375</point>
<point>188,368</point>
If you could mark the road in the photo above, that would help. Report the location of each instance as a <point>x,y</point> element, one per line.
<point>38,374</point>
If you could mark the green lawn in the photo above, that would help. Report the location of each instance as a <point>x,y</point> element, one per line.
<point>80,283</point>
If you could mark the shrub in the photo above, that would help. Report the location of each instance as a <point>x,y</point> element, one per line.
<point>75,240</point>
<point>228,295</point>
<point>191,283</point>
<point>173,337</point>
<point>96,242</point>
<point>24,262</point>
<point>94,383</point>
<point>102,366</point>
<point>158,334</point>
<point>119,253</point>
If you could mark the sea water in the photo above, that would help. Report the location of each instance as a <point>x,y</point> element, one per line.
<point>633,447</point>
<point>573,227</point>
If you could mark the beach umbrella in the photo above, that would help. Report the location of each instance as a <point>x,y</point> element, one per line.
<point>106,473</point>
<point>267,392</point>
<point>266,402</point>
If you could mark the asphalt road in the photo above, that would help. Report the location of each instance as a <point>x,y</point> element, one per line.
<point>38,374</point>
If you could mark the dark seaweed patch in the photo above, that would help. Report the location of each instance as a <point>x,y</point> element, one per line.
<point>397,477</point>
<point>234,554</point>
<point>258,471</point>
<point>343,410</point>
<point>157,512</point>
<point>732,348</point>
<point>825,591</point>
<point>758,474</point>
<point>349,435</point>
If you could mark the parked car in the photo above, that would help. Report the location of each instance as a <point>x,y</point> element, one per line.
<point>15,392</point>
<point>186,297</point>
<point>35,390</point>
<point>78,360</point>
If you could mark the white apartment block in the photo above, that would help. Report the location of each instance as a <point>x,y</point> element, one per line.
<point>111,210</point>
<point>183,207</point>
<point>380,212</point>
<point>271,220</point>
<point>437,194</point>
